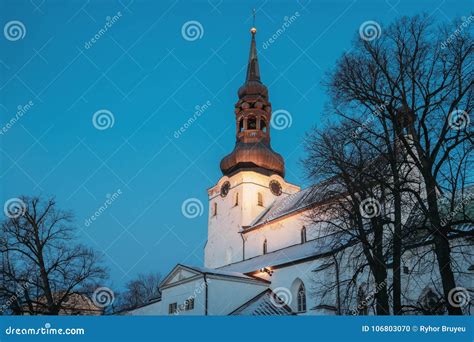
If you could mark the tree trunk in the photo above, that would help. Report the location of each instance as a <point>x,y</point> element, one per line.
<point>380,270</point>
<point>397,254</point>
<point>442,247</point>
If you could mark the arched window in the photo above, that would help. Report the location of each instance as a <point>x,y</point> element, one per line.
<point>263,125</point>
<point>251,122</point>
<point>303,234</point>
<point>265,246</point>
<point>214,213</point>
<point>241,125</point>
<point>260,199</point>
<point>236,203</point>
<point>301,298</point>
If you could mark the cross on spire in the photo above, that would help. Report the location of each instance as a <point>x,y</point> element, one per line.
<point>253,29</point>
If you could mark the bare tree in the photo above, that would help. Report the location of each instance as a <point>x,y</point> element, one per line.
<point>42,264</point>
<point>355,204</point>
<point>412,69</point>
<point>140,291</point>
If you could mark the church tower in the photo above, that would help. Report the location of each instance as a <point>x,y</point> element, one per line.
<point>253,174</point>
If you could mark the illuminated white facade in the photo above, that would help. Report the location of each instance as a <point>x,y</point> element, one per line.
<point>263,255</point>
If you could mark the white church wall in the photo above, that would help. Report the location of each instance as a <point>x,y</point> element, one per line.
<point>180,293</point>
<point>285,283</point>
<point>279,234</point>
<point>225,295</point>
<point>147,310</point>
<point>224,244</point>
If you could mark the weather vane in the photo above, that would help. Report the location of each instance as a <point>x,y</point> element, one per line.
<point>253,29</point>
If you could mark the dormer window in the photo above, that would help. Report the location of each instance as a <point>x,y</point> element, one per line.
<point>263,126</point>
<point>241,125</point>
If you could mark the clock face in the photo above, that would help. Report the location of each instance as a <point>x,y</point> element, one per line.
<point>275,187</point>
<point>225,189</point>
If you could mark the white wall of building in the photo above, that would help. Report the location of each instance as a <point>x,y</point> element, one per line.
<point>224,244</point>
<point>225,296</point>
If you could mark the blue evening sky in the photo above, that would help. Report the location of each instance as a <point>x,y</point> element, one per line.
<point>151,79</point>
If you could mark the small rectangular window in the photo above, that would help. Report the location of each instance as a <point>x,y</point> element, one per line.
<point>260,199</point>
<point>189,304</point>
<point>173,308</point>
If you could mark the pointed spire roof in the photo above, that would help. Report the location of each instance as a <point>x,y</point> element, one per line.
<point>253,69</point>
<point>253,112</point>
<point>253,86</point>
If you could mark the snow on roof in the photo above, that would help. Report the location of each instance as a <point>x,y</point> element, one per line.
<point>313,248</point>
<point>292,203</point>
<point>264,304</point>
<point>224,273</point>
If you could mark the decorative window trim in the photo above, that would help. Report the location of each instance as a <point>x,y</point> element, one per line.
<point>301,298</point>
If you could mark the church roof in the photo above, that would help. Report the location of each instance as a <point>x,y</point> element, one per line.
<point>290,255</point>
<point>223,273</point>
<point>296,202</point>
<point>173,277</point>
<point>266,303</point>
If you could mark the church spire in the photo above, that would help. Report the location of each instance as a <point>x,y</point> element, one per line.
<point>253,114</point>
<point>253,70</point>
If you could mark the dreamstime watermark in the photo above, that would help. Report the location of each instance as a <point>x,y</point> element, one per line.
<point>281,119</point>
<point>287,21</point>
<point>369,208</point>
<point>465,23</point>
<point>376,113</point>
<point>365,301</point>
<point>370,30</point>
<point>189,302</point>
<point>109,22</point>
<point>280,210</point>
<point>192,208</point>
<point>21,110</point>
<point>103,119</point>
<point>459,297</point>
<point>103,297</point>
<point>19,292</point>
<point>14,208</point>
<point>458,208</point>
<point>46,330</point>
<point>199,110</point>
<point>282,297</point>
<point>14,30</point>
<point>459,119</point>
<point>111,198</point>
<point>192,30</point>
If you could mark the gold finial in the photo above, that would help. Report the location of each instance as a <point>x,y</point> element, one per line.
<point>253,29</point>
